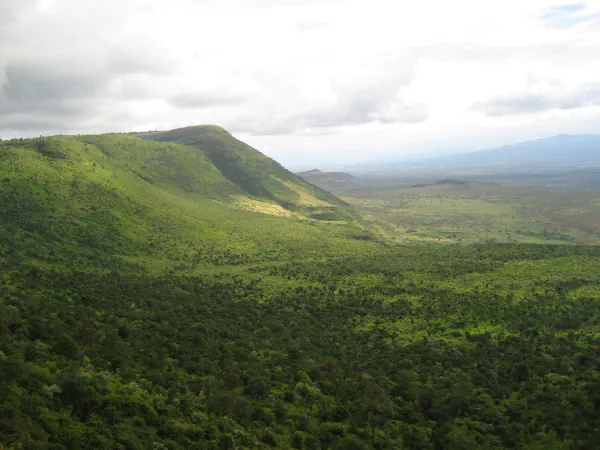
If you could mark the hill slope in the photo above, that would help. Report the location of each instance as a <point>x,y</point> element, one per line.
<point>157,202</point>
<point>255,173</point>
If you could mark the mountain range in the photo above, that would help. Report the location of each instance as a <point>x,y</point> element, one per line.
<point>553,152</point>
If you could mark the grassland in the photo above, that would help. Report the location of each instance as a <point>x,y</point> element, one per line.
<point>465,212</point>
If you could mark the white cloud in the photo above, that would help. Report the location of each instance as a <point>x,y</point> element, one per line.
<point>540,96</point>
<point>365,78</point>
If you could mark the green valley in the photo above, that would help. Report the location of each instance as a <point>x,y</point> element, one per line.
<point>181,290</point>
<point>456,211</point>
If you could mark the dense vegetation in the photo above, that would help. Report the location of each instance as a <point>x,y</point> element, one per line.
<point>140,308</point>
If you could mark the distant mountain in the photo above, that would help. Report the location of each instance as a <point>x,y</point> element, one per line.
<point>556,151</point>
<point>310,172</point>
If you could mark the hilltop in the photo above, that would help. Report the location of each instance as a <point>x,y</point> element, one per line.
<point>245,166</point>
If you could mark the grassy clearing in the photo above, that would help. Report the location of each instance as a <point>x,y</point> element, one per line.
<point>249,204</point>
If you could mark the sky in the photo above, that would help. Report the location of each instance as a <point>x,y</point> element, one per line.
<point>312,83</point>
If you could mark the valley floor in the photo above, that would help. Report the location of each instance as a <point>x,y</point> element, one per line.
<point>463,213</point>
<point>416,347</point>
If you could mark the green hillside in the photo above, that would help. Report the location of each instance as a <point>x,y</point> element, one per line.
<point>255,173</point>
<point>184,291</point>
<point>165,202</point>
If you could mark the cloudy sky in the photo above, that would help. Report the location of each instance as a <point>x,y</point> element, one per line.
<point>312,83</point>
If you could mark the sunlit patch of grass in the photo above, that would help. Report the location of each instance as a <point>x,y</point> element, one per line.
<point>249,204</point>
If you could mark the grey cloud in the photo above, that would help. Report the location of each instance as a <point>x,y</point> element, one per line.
<point>329,120</point>
<point>357,111</point>
<point>49,81</point>
<point>375,96</point>
<point>82,68</point>
<point>31,83</point>
<point>138,87</point>
<point>78,116</point>
<point>534,102</point>
<point>368,93</point>
<point>10,9</point>
<point>3,80</point>
<point>198,100</point>
<point>40,124</point>
<point>47,98</point>
<point>54,94</point>
<point>141,58</point>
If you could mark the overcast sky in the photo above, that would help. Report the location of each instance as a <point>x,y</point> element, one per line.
<point>309,82</point>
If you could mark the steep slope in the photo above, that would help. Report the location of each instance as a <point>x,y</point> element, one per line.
<point>160,204</point>
<point>256,174</point>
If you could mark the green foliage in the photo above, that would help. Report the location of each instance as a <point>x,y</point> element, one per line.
<point>402,351</point>
<point>140,309</point>
<point>162,205</point>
